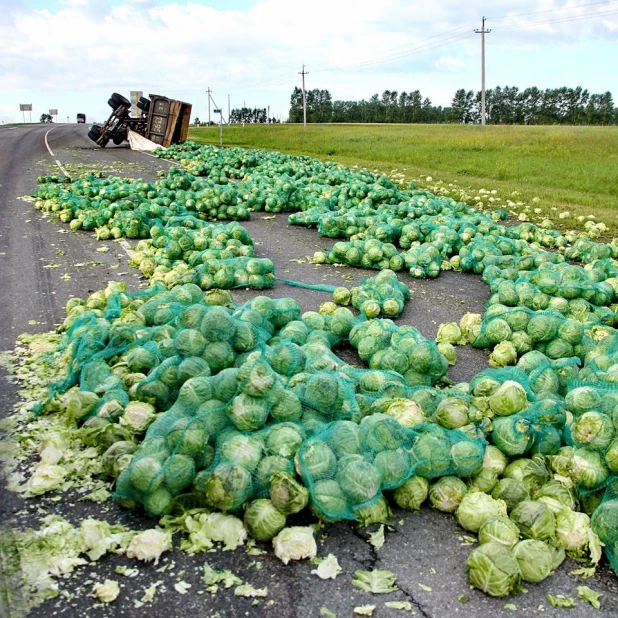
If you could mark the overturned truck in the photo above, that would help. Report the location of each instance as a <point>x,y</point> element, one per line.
<point>161,120</point>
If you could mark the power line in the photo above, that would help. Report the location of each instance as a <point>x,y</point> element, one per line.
<point>564,8</point>
<point>416,43</point>
<point>526,24</point>
<point>422,48</point>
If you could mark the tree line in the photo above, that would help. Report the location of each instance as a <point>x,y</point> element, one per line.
<point>246,115</point>
<point>504,105</point>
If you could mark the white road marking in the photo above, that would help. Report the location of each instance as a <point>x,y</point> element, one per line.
<point>51,152</point>
<point>155,157</point>
<point>126,246</point>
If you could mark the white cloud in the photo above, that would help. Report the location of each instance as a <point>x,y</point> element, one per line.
<point>87,48</point>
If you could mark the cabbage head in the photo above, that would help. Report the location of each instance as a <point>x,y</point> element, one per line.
<point>329,499</point>
<point>499,530</point>
<point>118,457</point>
<point>494,459</point>
<point>406,412</point>
<point>430,456</point>
<point>263,521</point>
<point>284,439</point>
<point>593,429</point>
<point>511,491</point>
<point>532,472</point>
<point>295,543</point>
<point>476,508</point>
<point>535,560</point>
<point>588,468</point>
<point>605,522</point>
<point>450,333</point>
<point>359,480</point>
<point>380,432</point>
<point>241,450</point>
<point>573,531</point>
<point>228,487</point>
<point>493,568</point>
<point>412,493</point>
<point>511,435</point>
<point>179,472</point>
<point>287,495</point>
<point>447,493</point>
<point>378,512</point>
<point>393,465</point>
<point>582,399</point>
<point>317,460</point>
<point>535,520</point>
<point>505,353</point>
<point>157,502</point>
<point>248,413</point>
<point>509,398</point>
<point>146,474</point>
<point>452,412</point>
<point>556,496</point>
<point>344,438</point>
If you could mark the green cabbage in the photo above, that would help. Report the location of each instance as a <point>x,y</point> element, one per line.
<point>263,521</point>
<point>493,568</point>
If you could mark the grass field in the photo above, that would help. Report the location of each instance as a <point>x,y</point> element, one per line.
<point>556,169</point>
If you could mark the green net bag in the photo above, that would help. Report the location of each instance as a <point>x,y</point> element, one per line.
<point>347,466</point>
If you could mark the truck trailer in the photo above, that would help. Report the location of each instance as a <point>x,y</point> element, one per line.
<point>161,120</point>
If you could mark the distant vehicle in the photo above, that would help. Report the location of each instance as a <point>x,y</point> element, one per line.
<point>161,120</point>
<point>81,118</point>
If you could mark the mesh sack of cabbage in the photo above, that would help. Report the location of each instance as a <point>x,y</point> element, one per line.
<point>545,377</point>
<point>587,251</point>
<point>545,331</point>
<point>228,434</point>
<point>371,253</point>
<point>592,432</point>
<point>424,260</point>
<point>383,294</point>
<point>404,350</point>
<point>346,466</point>
<point>605,523</point>
<point>147,344</point>
<point>570,281</point>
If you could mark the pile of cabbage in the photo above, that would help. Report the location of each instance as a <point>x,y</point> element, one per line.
<point>383,294</point>
<point>249,410</point>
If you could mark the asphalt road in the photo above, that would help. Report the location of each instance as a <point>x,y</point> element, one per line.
<point>42,266</point>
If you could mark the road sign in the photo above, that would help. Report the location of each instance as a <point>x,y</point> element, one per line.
<point>25,107</point>
<point>217,111</point>
<point>135,95</point>
<point>53,112</point>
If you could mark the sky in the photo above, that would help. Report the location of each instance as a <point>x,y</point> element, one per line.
<point>72,54</point>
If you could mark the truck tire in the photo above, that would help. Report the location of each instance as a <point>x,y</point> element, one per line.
<point>120,100</point>
<point>143,104</point>
<point>119,137</point>
<point>95,133</point>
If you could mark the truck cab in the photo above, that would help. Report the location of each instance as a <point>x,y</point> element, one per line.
<point>81,118</point>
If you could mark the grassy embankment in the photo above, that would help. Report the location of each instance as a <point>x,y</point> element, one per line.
<point>552,169</point>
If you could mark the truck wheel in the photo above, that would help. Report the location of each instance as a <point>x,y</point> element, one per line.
<point>119,138</point>
<point>120,100</point>
<point>95,133</point>
<point>143,104</point>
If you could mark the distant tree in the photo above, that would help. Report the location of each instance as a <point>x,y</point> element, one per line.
<point>503,105</point>
<point>46,118</point>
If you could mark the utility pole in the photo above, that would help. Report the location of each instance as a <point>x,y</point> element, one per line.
<point>483,32</point>
<point>209,91</point>
<point>268,115</point>
<point>303,73</point>
<point>229,113</point>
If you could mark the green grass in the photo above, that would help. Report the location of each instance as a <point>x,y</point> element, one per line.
<point>571,169</point>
